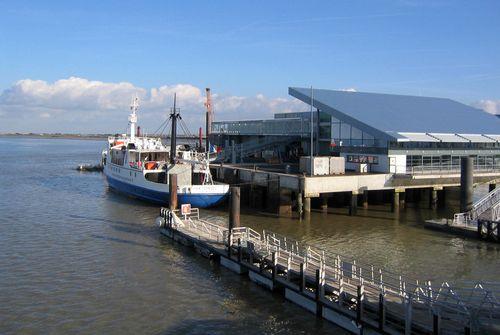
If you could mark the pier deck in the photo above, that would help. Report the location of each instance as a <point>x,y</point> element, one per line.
<point>357,297</point>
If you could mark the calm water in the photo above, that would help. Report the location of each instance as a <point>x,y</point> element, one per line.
<point>75,257</point>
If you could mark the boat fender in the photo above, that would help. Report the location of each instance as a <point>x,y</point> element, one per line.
<point>160,222</point>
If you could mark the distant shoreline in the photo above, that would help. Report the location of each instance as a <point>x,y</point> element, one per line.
<point>57,136</point>
<point>73,136</point>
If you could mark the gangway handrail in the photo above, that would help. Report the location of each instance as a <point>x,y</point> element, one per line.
<point>489,201</point>
<point>464,303</point>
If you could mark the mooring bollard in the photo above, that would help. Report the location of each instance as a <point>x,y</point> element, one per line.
<point>172,186</point>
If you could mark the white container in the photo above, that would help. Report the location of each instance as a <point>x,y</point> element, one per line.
<point>321,165</point>
<point>337,165</point>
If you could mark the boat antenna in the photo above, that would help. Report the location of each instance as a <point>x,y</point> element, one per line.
<point>174,115</point>
<point>132,119</point>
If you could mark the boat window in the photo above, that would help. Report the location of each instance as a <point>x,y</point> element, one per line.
<point>117,157</point>
<point>156,177</point>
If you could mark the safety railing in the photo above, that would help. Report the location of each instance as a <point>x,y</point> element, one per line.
<point>466,304</point>
<point>450,169</point>
<point>490,201</point>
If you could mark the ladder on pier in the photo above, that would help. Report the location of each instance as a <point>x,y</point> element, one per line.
<point>488,207</point>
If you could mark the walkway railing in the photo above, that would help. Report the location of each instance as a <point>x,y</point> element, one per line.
<point>490,202</point>
<point>455,306</point>
<point>450,169</point>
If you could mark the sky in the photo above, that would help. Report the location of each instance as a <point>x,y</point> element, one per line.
<point>74,66</point>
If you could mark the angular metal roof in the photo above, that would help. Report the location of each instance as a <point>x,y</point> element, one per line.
<point>386,114</point>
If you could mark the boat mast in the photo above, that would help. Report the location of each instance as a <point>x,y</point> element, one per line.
<point>174,115</point>
<point>132,119</point>
<point>209,119</point>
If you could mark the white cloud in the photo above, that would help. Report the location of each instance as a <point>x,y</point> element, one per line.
<point>490,106</point>
<point>81,105</point>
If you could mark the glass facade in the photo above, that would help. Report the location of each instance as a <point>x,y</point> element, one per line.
<point>345,134</point>
<point>416,163</point>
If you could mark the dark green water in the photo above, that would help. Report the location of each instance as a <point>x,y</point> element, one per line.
<point>78,258</point>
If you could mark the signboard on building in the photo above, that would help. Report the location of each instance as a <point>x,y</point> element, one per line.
<point>362,159</point>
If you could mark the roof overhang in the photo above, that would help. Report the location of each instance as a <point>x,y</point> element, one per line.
<point>341,116</point>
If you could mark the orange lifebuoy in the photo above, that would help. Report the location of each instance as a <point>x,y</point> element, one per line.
<point>150,165</point>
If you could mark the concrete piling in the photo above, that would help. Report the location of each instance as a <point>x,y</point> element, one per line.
<point>466,182</point>
<point>402,199</point>
<point>353,206</point>
<point>285,202</point>
<point>433,199</point>
<point>300,205</point>
<point>307,205</point>
<point>365,199</point>
<point>324,203</point>
<point>395,201</point>
<point>172,186</point>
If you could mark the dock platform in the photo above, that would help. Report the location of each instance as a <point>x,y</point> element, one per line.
<point>481,229</point>
<point>357,297</point>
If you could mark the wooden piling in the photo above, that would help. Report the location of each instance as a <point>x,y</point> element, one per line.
<point>172,185</point>
<point>239,250</point>
<point>436,324</point>
<point>273,269</point>
<point>381,312</point>
<point>302,283</point>
<point>234,208</point>
<point>317,296</point>
<point>359,304</point>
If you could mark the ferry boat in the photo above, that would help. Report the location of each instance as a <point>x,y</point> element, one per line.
<point>140,166</point>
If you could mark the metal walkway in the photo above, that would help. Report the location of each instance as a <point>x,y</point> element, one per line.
<point>487,208</point>
<point>236,153</point>
<point>358,297</point>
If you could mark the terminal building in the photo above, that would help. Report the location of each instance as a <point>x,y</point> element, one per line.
<point>379,133</point>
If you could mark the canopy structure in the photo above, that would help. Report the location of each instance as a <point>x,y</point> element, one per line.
<point>403,117</point>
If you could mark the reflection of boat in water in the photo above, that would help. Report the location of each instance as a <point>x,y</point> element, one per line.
<point>140,166</point>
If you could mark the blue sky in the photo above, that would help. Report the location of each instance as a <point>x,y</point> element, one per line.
<point>248,48</point>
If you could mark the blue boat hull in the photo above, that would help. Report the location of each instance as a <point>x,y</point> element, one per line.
<point>162,198</point>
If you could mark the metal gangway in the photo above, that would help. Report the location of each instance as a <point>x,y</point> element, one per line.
<point>403,304</point>
<point>488,206</point>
